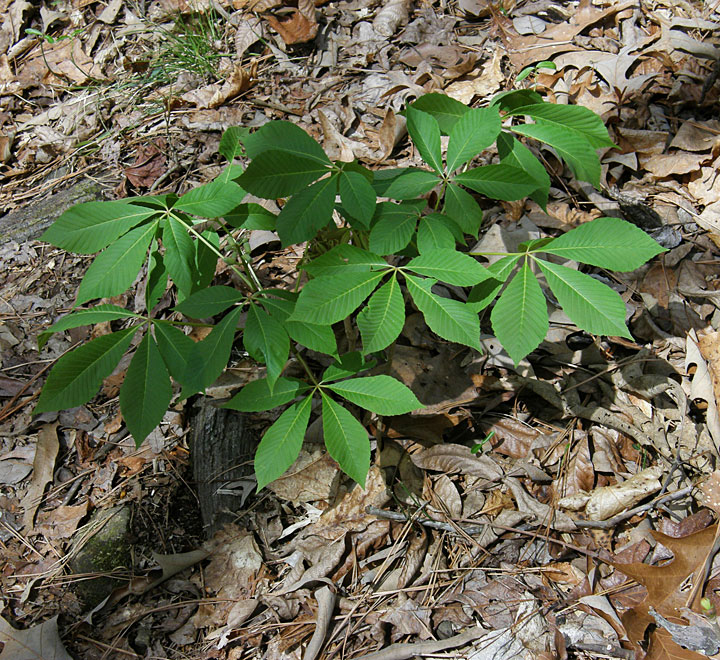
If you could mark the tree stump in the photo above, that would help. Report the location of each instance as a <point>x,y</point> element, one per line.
<point>221,450</point>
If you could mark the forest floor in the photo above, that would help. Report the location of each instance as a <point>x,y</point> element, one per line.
<point>587,526</point>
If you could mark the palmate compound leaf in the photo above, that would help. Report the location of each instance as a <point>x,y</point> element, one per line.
<point>179,256</point>
<point>572,147</point>
<point>591,305</point>
<point>175,347</point>
<point>519,317</point>
<point>476,130</point>
<point>411,184</point>
<point>358,196</point>
<point>231,142</point>
<point>211,200</point>
<point>319,338</point>
<point>116,267</point>
<point>344,259</point>
<point>274,174</point>
<point>210,301</point>
<point>575,117</point>
<point>513,152</point>
<point>446,110</point>
<point>394,226</point>
<point>306,212</point>
<point>77,376</point>
<point>498,182</point>
<point>381,321</point>
<point>449,266</point>
<point>379,394</point>
<point>462,208</point>
<point>435,233</point>
<point>284,136</point>
<point>146,391</point>
<point>80,317</point>
<point>609,243</point>
<point>92,226</point>
<point>257,397</point>
<point>450,319</point>
<point>209,357</point>
<point>266,341</point>
<point>157,279</point>
<point>282,442</point>
<point>425,134</point>
<point>346,440</point>
<point>327,300</point>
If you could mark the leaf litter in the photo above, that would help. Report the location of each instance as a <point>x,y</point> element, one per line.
<point>576,529</point>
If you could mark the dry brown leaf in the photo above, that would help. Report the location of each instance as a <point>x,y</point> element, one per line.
<point>215,94</point>
<point>710,489</point>
<point>62,522</point>
<point>248,32</point>
<point>11,27</point>
<point>705,379</point>
<point>310,478</point>
<point>452,458</point>
<point>43,469</point>
<point>608,501</point>
<point>39,641</point>
<point>663,647</point>
<point>445,494</point>
<point>149,164</point>
<point>63,61</point>
<point>659,281</point>
<point>299,28</point>
<point>697,136</point>
<point>664,165</point>
<point>391,16</point>
<point>663,582</point>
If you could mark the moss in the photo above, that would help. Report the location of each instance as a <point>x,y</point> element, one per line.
<point>107,550</point>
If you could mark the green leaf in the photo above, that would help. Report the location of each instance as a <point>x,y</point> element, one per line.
<point>206,260</point>
<point>609,243</point>
<point>281,443</point>
<point>591,305</point>
<point>346,365</point>
<point>97,314</point>
<point>115,269</point>
<point>575,117</point>
<point>344,259</point>
<point>77,376</point>
<point>211,200</point>
<point>381,322</point>
<point>434,235</point>
<point>476,130</point>
<point>382,395</point>
<point>327,300</point>
<point>157,279</point>
<point>286,137</point>
<point>515,98</point>
<point>231,142</point>
<point>482,294</point>
<point>251,216</point>
<point>209,357</point>
<point>210,301</point>
<point>463,209</point>
<point>450,319</point>
<point>175,348</point>
<point>146,391</point>
<point>306,212</point>
<point>498,182</point>
<point>446,110</point>
<point>257,397</point>
<point>279,308</point>
<point>90,227</point>
<point>519,317</point>
<point>346,440</point>
<point>573,148</point>
<point>274,174</point>
<point>179,254</point>
<point>358,196</point>
<point>513,152</point>
<point>394,227</point>
<point>411,184</point>
<point>449,266</point>
<point>424,131</point>
<point>319,338</point>
<point>229,173</point>
<point>266,341</point>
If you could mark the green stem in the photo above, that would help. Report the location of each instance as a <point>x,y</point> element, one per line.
<point>305,366</point>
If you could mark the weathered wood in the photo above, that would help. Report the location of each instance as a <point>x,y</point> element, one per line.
<point>222,447</point>
<point>33,218</point>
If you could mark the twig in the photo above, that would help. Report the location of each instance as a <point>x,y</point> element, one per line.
<point>405,651</point>
<point>615,520</point>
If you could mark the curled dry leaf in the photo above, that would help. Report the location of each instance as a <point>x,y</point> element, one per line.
<point>391,16</point>
<point>215,94</point>
<point>710,489</point>
<point>608,501</point>
<point>43,468</point>
<point>248,32</point>
<point>706,380</point>
<point>40,641</point>
<point>451,458</point>
<point>300,27</point>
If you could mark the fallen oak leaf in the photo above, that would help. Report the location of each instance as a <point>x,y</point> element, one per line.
<point>663,582</point>
<point>38,642</point>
